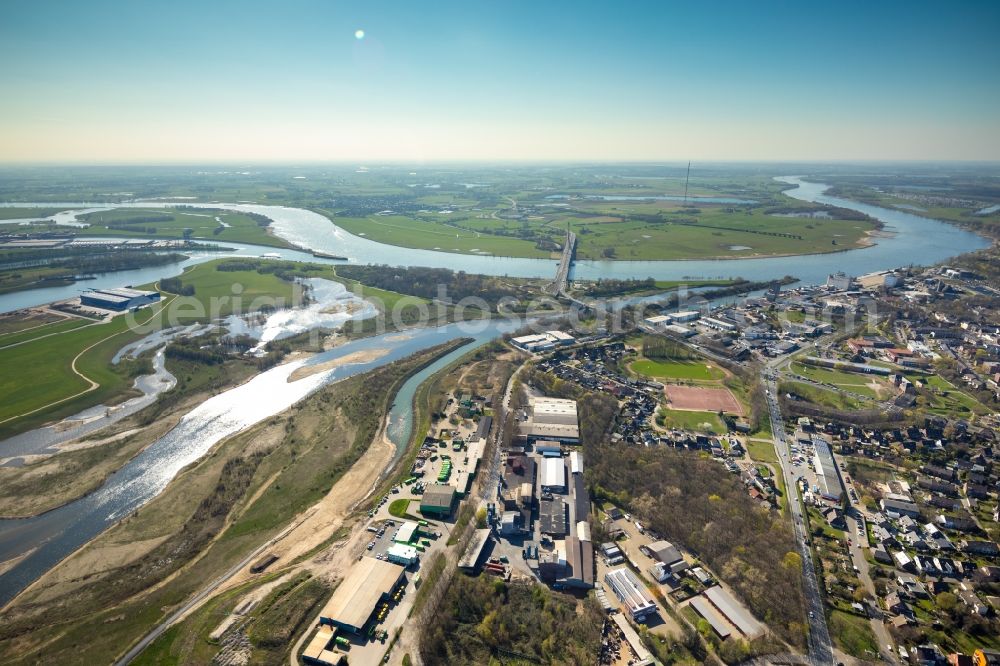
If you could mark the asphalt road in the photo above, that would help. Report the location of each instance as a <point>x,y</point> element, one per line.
<point>820,645</point>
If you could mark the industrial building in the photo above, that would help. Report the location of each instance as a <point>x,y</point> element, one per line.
<point>406,533</point>
<point>733,611</point>
<point>437,500</point>
<point>575,462</point>
<point>551,419</point>
<point>318,652</point>
<point>120,299</point>
<point>553,477</point>
<point>368,583</point>
<point>630,592</point>
<point>552,517</point>
<point>474,553</point>
<point>714,618</point>
<point>401,554</point>
<point>580,497</point>
<point>579,562</point>
<point>664,552</point>
<point>827,475</point>
<point>543,341</point>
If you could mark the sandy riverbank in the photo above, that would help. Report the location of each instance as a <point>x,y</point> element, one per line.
<point>361,356</point>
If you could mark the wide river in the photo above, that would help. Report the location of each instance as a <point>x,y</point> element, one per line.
<point>44,540</point>
<point>909,239</point>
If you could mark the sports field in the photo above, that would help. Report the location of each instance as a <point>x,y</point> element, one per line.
<point>690,420</point>
<point>697,370</point>
<point>698,398</point>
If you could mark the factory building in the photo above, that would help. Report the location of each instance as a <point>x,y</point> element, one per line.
<point>827,476</point>
<point>367,584</point>
<point>551,419</point>
<point>543,341</point>
<point>631,592</point>
<point>120,299</point>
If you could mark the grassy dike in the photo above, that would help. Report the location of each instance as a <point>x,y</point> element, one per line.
<point>100,600</point>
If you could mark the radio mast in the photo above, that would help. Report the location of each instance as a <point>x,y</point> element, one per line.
<point>686,179</point>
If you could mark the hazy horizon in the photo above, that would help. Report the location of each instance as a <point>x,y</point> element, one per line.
<point>117,83</point>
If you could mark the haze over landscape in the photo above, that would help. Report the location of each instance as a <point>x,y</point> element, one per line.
<point>115,82</point>
<point>464,334</point>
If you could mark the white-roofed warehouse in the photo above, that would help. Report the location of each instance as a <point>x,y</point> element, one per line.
<point>553,475</point>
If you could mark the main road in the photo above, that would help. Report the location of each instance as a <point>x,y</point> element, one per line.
<point>820,646</point>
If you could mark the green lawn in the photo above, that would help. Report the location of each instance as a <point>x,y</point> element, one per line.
<point>848,381</point>
<point>221,293</point>
<point>853,635</point>
<point>699,370</point>
<point>51,328</point>
<point>48,362</point>
<point>823,397</point>
<point>399,509</point>
<point>948,398</point>
<point>694,421</point>
<point>762,451</point>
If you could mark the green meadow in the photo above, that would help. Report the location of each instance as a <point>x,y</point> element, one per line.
<point>698,370</point>
<point>204,225</point>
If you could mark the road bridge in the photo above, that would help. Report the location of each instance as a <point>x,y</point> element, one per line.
<point>560,285</point>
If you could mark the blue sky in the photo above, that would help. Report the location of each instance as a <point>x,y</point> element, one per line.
<point>190,81</point>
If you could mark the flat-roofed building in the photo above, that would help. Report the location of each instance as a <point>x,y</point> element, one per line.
<point>369,582</point>
<point>406,533</point>
<point>551,419</point>
<point>552,517</point>
<point>734,611</point>
<point>679,331</point>
<point>120,299</point>
<point>437,500</point>
<point>543,341</point>
<point>827,475</point>
<point>401,553</point>
<point>554,410</point>
<point>630,592</point>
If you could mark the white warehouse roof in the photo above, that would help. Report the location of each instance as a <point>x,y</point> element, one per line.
<point>553,473</point>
